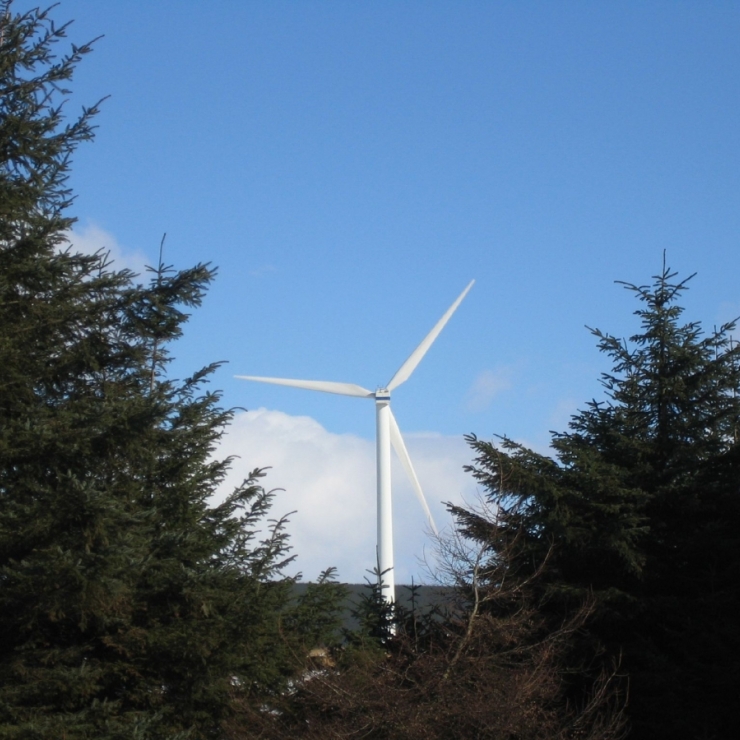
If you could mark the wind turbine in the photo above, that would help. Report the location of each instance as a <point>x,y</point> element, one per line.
<point>387,434</point>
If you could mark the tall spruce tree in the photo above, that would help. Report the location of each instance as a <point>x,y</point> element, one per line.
<point>640,510</point>
<point>130,606</point>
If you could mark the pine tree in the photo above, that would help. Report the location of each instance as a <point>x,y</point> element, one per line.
<point>640,510</point>
<point>130,605</point>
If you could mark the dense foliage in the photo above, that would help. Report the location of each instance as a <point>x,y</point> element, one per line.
<point>130,605</point>
<point>641,512</point>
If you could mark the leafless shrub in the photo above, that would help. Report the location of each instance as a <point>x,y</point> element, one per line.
<point>486,666</point>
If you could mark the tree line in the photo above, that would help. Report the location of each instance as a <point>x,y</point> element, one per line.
<point>592,594</point>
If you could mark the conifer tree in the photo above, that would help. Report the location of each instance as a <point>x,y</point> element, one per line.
<point>641,511</point>
<point>130,605</point>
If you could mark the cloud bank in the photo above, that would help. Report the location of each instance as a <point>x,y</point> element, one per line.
<point>329,481</point>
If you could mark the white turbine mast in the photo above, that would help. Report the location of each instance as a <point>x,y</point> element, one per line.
<point>387,435</point>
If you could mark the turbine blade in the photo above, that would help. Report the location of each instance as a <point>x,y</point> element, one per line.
<point>327,386</point>
<point>414,359</point>
<point>403,456</point>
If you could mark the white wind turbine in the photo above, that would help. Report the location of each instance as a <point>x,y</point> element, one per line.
<point>387,434</point>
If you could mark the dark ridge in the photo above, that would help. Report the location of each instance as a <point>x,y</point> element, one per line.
<point>425,599</point>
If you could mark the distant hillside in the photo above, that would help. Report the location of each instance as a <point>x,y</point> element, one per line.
<point>426,597</point>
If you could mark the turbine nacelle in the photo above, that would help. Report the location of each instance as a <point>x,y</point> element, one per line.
<point>387,435</point>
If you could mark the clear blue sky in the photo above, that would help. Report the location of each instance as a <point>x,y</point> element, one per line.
<point>349,167</point>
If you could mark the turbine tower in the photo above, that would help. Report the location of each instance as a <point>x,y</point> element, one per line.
<point>387,434</point>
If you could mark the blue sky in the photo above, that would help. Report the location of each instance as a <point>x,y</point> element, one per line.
<point>350,166</point>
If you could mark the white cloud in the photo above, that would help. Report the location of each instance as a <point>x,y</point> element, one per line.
<point>329,480</point>
<point>90,239</point>
<point>487,385</point>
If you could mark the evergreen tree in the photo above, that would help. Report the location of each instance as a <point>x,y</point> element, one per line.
<point>130,606</point>
<point>641,511</point>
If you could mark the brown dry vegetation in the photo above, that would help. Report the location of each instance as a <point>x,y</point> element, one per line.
<point>488,668</point>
